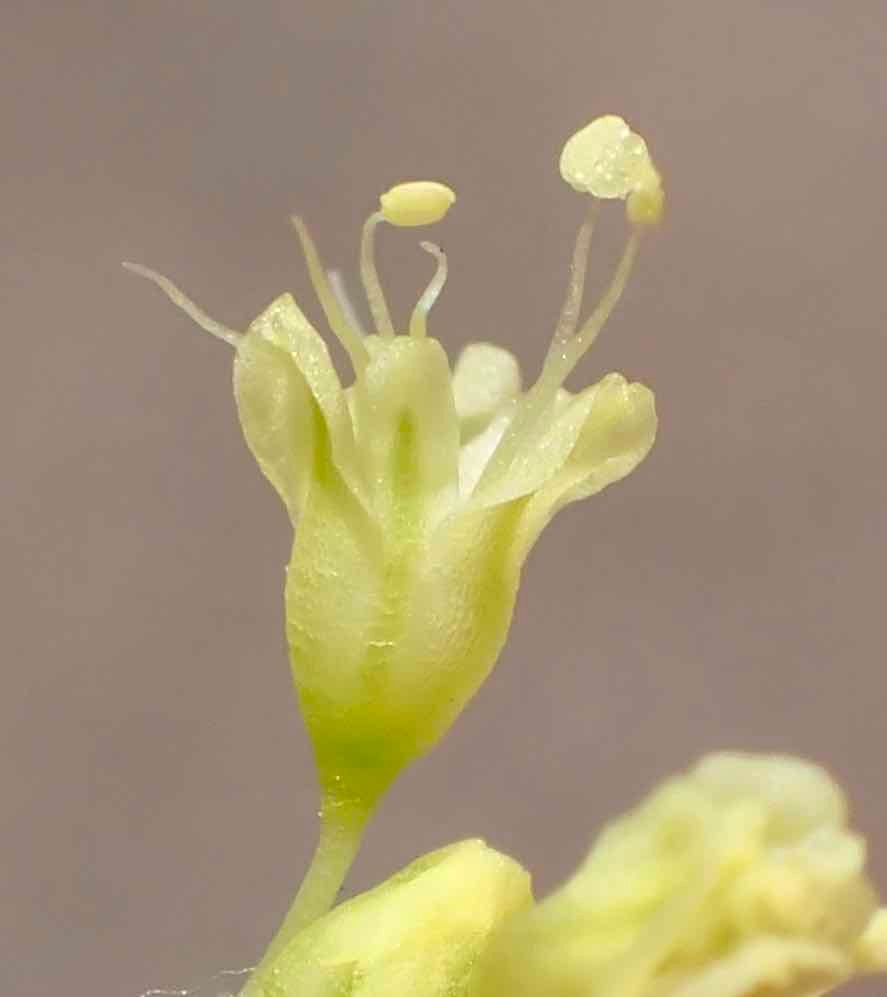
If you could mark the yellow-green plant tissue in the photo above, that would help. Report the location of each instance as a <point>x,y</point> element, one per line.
<point>416,489</point>
<point>739,879</point>
<point>420,934</point>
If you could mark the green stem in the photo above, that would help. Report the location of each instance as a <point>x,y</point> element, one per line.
<point>341,831</point>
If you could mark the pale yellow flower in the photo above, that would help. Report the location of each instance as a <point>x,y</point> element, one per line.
<point>416,493</point>
<point>739,879</point>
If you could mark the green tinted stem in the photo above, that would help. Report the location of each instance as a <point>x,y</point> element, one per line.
<point>341,832</point>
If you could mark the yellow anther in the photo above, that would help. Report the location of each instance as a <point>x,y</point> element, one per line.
<point>645,206</point>
<point>419,202</point>
<point>606,159</point>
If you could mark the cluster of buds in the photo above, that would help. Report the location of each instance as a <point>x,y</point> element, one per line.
<point>416,491</point>
<point>737,879</point>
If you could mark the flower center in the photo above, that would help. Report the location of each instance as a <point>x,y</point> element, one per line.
<point>606,159</point>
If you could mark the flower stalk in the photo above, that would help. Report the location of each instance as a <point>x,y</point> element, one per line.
<point>341,833</point>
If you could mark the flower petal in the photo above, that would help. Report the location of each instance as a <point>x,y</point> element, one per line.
<point>542,453</point>
<point>286,386</point>
<point>405,422</point>
<point>476,453</point>
<point>616,435</point>
<point>801,795</point>
<point>485,379</point>
<point>392,628</point>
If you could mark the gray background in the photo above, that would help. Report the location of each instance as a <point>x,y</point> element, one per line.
<point>157,791</point>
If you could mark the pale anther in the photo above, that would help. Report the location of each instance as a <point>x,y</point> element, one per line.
<point>418,202</point>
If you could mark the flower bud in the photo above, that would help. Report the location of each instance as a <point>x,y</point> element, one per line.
<point>420,934</point>
<point>738,879</point>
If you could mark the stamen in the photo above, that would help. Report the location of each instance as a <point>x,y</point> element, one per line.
<point>569,317</point>
<point>559,364</point>
<point>375,294</point>
<point>557,367</point>
<point>193,311</point>
<point>343,331</point>
<point>419,317</point>
<point>340,290</point>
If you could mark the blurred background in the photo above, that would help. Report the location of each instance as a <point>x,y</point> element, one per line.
<point>158,802</point>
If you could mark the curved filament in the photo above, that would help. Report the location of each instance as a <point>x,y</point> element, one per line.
<point>419,318</point>
<point>569,317</point>
<point>193,311</point>
<point>369,275</point>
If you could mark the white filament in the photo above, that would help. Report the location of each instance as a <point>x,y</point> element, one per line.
<point>340,290</point>
<point>562,361</point>
<point>419,318</point>
<point>193,311</point>
<point>569,317</point>
<point>369,275</point>
<point>347,335</point>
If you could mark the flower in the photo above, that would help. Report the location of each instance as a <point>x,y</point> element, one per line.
<point>738,879</point>
<point>419,934</point>
<point>416,493</point>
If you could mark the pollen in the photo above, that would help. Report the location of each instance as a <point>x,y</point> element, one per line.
<point>607,159</point>
<point>419,202</point>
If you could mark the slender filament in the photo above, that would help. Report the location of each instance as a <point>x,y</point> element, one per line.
<point>561,362</point>
<point>193,311</point>
<point>340,290</point>
<point>419,318</point>
<point>347,336</point>
<point>557,367</point>
<point>569,317</point>
<point>370,276</point>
